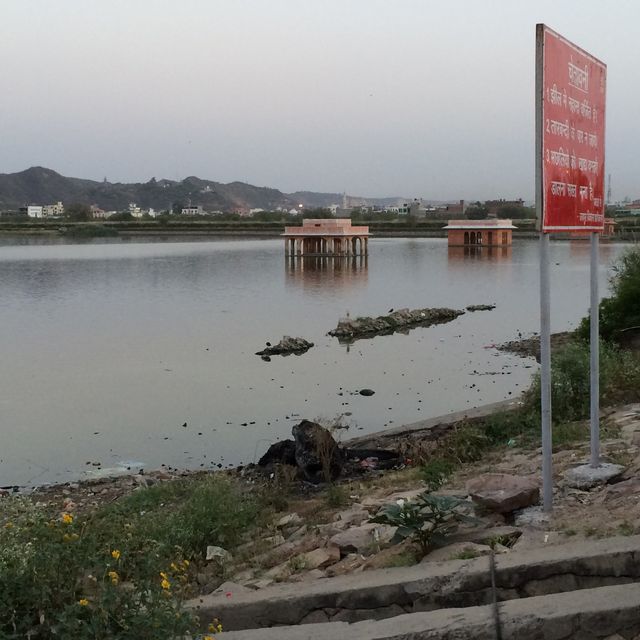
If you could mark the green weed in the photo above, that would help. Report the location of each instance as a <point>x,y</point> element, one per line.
<point>337,496</point>
<point>425,520</point>
<point>121,572</point>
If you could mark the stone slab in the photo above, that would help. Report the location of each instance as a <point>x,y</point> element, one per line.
<point>434,585</point>
<point>589,614</point>
<point>586,477</point>
<point>504,492</point>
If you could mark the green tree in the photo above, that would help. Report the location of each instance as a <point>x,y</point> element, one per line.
<point>318,212</point>
<point>622,309</point>
<point>78,212</point>
<point>514,212</point>
<point>122,216</point>
<point>477,211</point>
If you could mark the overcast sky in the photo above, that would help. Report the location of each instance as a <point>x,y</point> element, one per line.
<point>398,97</point>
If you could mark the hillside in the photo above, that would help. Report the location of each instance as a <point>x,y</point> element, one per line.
<point>39,185</point>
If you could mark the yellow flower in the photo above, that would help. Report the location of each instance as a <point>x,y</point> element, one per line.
<point>174,567</point>
<point>114,576</point>
<point>165,584</point>
<point>115,554</point>
<point>215,626</point>
<point>164,575</point>
<point>67,518</point>
<point>207,638</point>
<point>185,563</point>
<point>83,602</point>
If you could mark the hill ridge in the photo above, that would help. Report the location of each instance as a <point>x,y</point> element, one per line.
<point>41,185</point>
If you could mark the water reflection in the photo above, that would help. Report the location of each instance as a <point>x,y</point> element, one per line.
<point>476,252</point>
<point>581,249</point>
<point>327,271</point>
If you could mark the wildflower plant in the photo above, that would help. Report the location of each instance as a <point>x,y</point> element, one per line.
<point>427,520</point>
<point>121,572</point>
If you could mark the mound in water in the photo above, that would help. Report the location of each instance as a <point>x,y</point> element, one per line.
<point>363,327</point>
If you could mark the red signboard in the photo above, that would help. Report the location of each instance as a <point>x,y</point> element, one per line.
<point>570,117</point>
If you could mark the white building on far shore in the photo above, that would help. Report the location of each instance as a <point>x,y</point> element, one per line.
<point>53,210</point>
<point>192,211</point>
<point>34,211</point>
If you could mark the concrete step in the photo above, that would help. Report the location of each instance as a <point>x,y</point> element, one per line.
<point>390,593</point>
<point>589,614</point>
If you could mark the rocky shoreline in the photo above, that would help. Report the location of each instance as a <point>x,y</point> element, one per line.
<point>530,347</point>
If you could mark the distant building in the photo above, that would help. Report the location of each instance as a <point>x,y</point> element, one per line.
<point>256,210</point>
<point>628,209</point>
<point>34,211</point>
<point>457,209</point>
<point>192,211</point>
<point>53,210</point>
<point>494,206</point>
<point>135,210</point>
<point>609,227</point>
<point>489,233</point>
<point>97,212</point>
<point>608,230</point>
<point>326,237</point>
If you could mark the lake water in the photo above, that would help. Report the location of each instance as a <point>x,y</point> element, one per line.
<point>108,348</point>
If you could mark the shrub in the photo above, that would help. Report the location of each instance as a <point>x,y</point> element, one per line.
<point>121,572</point>
<point>570,381</point>
<point>436,471</point>
<point>337,496</point>
<point>505,427</point>
<point>622,309</point>
<point>53,585</point>
<point>465,443</point>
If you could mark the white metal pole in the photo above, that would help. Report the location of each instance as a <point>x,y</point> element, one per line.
<point>595,354</point>
<point>545,287</point>
<point>545,373</point>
